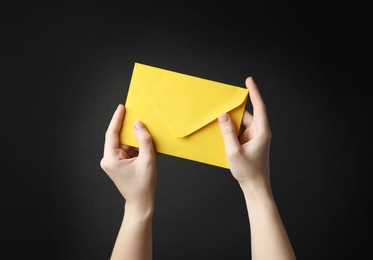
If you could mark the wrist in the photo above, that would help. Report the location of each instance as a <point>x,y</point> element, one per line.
<point>139,210</point>
<point>257,190</point>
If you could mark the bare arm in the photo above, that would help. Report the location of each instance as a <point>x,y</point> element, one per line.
<point>248,158</point>
<point>134,173</point>
<point>134,240</point>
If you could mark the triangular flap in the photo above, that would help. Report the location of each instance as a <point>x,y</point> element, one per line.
<point>185,103</point>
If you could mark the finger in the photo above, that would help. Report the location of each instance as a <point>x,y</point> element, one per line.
<point>228,131</point>
<point>112,132</point>
<point>259,108</point>
<point>144,139</point>
<point>129,151</point>
<point>247,119</point>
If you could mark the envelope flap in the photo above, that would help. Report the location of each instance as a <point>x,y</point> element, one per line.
<point>185,103</point>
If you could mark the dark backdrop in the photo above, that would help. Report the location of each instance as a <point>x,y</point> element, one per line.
<point>65,67</point>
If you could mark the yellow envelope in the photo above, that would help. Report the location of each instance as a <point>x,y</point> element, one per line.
<point>180,112</point>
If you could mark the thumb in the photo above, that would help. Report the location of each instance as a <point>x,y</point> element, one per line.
<point>228,131</point>
<point>144,140</point>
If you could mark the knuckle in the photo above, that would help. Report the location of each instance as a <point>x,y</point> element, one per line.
<point>107,165</point>
<point>266,135</point>
<point>145,138</point>
<point>234,152</point>
<point>103,164</point>
<point>107,133</point>
<point>228,130</point>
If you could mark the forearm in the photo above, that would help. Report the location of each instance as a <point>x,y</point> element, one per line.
<point>134,240</point>
<point>269,239</point>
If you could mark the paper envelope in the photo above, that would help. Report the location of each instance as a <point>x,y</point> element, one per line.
<point>180,112</point>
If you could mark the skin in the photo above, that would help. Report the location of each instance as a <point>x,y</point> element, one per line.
<point>134,173</point>
<point>248,158</point>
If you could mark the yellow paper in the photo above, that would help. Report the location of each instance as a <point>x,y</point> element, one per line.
<point>180,112</point>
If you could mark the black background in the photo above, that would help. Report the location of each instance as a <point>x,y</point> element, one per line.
<point>65,67</point>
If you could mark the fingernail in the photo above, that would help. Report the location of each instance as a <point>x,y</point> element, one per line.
<point>223,118</point>
<point>139,125</point>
